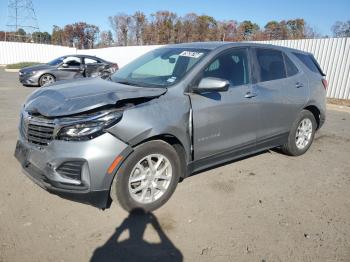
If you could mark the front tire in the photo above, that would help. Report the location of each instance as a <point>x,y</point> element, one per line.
<point>46,79</point>
<point>301,134</point>
<point>148,177</point>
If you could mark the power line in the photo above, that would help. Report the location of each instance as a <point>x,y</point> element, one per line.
<point>21,15</point>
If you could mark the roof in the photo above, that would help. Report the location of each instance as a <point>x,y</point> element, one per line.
<point>215,45</point>
<point>87,56</point>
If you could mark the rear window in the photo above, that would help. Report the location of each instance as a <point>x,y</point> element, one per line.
<point>271,64</point>
<point>309,62</point>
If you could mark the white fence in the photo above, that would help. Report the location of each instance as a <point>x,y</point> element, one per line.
<point>333,54</point>
<point>12,52</point>
<point>121,54</point>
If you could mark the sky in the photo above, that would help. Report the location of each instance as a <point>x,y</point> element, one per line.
<point>320,14</point>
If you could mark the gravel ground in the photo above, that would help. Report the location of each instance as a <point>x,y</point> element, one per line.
<point>269,207</point>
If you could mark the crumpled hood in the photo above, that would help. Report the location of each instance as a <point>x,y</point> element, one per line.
<point>81,95</point>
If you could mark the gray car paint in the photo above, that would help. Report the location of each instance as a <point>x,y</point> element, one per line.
<point>60,73</point>
<point>97,154</point>
<point>82,95</point>
<point>206,125</point>
<point>279,102</point>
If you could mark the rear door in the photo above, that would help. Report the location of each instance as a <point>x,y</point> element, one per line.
<point>93,67</point>
<point>282,93</point>
<point>225,121</point>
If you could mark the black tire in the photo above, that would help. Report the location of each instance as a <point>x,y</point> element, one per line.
<point>120,186</point>
<point>41,79</point>
<point>290,148</point>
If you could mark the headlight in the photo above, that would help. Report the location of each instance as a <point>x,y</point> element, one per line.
<point>31,73</point>
<point>85,130</point>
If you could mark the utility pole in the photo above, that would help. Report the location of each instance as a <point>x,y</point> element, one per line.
<point>21,15</point>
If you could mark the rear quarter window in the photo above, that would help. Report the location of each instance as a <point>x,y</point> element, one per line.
<point>291,68</point>
<point>309,62</point>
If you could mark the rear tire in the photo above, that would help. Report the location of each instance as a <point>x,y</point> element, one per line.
<point>148,177</point>
<point>301,134</point>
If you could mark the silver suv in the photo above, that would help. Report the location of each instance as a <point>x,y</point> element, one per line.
<point>171,113</point>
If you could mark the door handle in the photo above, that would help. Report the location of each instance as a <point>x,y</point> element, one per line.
<point>298,85</point>
<point>250,94</point>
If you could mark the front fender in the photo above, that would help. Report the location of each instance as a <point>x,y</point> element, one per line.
<point>165,115</point>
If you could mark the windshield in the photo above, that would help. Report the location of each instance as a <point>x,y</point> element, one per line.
<point>57,61</point>
<point>160,68</point>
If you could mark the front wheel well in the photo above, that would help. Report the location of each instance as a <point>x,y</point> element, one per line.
<point>178,146</point>
<point>316,112</point>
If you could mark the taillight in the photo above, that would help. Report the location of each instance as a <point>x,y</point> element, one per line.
<point>325,84</point>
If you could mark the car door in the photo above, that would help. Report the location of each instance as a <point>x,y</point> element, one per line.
<point>225,122</point>
<point>93,67</point>
<point>282,93</point>
<point>72,67</point>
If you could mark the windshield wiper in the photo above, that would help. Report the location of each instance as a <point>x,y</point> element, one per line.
<point>127,83</point>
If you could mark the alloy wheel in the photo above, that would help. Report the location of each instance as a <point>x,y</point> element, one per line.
<point>150,178</point>
<point>303,134</point>
<point>47,79</point>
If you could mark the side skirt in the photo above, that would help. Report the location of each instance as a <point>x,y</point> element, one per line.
<point>235,153</point>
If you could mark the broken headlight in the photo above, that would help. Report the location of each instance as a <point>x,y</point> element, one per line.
<point>85,130</point>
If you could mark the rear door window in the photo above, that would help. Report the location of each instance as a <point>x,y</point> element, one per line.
<point>271,64</point>
<point>89,61</point>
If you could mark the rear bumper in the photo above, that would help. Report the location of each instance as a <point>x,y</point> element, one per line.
<point>92,184</point>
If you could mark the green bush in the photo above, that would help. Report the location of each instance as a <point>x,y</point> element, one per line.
<point>21,65</point>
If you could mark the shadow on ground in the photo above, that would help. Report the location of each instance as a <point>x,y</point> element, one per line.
<point>135,248</point>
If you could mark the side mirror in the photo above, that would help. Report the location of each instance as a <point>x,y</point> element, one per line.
<point>64,65</point>
<point>209,84</point>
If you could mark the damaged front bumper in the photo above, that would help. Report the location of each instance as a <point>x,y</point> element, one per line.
<point>73,170</point>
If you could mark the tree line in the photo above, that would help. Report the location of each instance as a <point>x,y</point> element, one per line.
<point>165,27</point>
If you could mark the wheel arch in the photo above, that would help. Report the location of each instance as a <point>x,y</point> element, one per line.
<point>46,73</point>
<point>168,138</point>
<point>316,112</point>
<point>174,142</point>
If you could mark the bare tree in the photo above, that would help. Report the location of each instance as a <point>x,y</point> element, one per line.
<point>139,26</point>
<point>341,29</point>
<point>311,32</point>
<point>164,27</point>
<point>121,25</point>
<point>106,39</point>
<point>188,22</point>
<point>164,24</point>
<point>296,28</point>
<point>227,30</point>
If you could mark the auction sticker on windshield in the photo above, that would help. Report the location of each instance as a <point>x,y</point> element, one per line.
<point>191,54</point>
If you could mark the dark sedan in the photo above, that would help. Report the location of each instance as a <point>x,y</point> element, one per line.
<point>64,68</point>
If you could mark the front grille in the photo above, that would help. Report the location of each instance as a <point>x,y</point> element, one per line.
<point>71,169</point>
<point>40,135</point>
<point>37,130</point>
